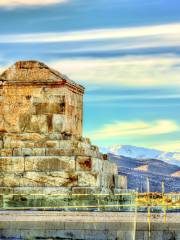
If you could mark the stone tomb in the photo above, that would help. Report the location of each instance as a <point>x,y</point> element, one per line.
<point>41,145</point>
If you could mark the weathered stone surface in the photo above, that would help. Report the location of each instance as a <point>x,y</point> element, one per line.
<point>88,179</point>
<point>97,165</point>
<point>86,190</point>
<point>11,164</point>
<point>39,179</point>
<point>109,168</point>
<point>120,181</point>
<point>50,163</point>
<point>38,123</point>
<point>40,190</point>
<point>6,152</point>
<point>107,181</point>
<point>83,163</point>
<point>88,163</point>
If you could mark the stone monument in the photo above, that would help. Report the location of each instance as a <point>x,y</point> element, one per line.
<point>41,145</point>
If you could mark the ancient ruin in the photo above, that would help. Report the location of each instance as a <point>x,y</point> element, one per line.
<point>41,145</point>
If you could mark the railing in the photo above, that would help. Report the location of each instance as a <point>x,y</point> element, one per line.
<point>69,202</point>
<point>124,201</point>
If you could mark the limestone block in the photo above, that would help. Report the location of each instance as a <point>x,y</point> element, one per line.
<point>57,190</point>
<point>1,144</point>
<point>8,143</point>
<point>45,163</point>
<point>107,181</point>
<point>84,145</point>
<point>57,152</point>
<point>52,143</point>
<point>41,190</point>
<point>120,181</point>
<point>97,165</point>
<point>11,164</point>
<point>26,151</point>
<point>39,123</point>
<point>50,108</point>
<point>32,137</point>
<point>59,123</point>
<point>88,163</point>
<point>56,98</point>
<point>40,144</point>
<point>64,179</point>
<point>6,152</point>
<point>88,179</point>
<point>6,190</point>
<point>17,152</point>
<point>55,136</point>
<point>67,144</point>
<point>38,152</point>
<point>85,190</point>
<point>39,179</point>
<point>83,163</point>
<point>109,167</point>
<point>68,150</point>
<point>9,180</point>
<point>24,122</point>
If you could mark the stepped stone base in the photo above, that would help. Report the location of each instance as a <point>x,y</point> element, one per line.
<point>57,162</point>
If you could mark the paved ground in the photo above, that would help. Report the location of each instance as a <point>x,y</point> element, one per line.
<point>88,225</point>
<point>86,216</point>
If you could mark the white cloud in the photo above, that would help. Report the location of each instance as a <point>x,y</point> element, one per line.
<point>173,146</point>
<point>132,71</point>
<point>134,129</point>
<point>170,32</point>
<point>17,3</point>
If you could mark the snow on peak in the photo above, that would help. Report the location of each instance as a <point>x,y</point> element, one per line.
<point>143,153</point>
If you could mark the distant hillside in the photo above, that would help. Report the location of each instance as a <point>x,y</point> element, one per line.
<point>137,171</point>
<point>143,153</point>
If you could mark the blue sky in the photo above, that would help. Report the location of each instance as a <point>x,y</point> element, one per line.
<point>125,52</point>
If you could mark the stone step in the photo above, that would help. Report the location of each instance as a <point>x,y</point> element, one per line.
<point>65,144</point>
<point>48,190</point>
<point>56,163</point>
<point>49,151</point>
<point>37,137</point>
<point>50,179</point>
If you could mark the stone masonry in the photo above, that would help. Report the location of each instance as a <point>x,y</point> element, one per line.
<point>41,145</point>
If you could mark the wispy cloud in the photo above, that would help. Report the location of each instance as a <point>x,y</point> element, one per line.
<point>111,98</point>
<point>134,129</point>
<point>18,3</point>
<point>166,31</point>
<point>167,146</point>
<point>132,71</point>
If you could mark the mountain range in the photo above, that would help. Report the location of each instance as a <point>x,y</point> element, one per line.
<point>138,164</point>
<point>143,153</point>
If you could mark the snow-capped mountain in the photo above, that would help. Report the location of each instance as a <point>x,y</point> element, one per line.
<point>143,153</point>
